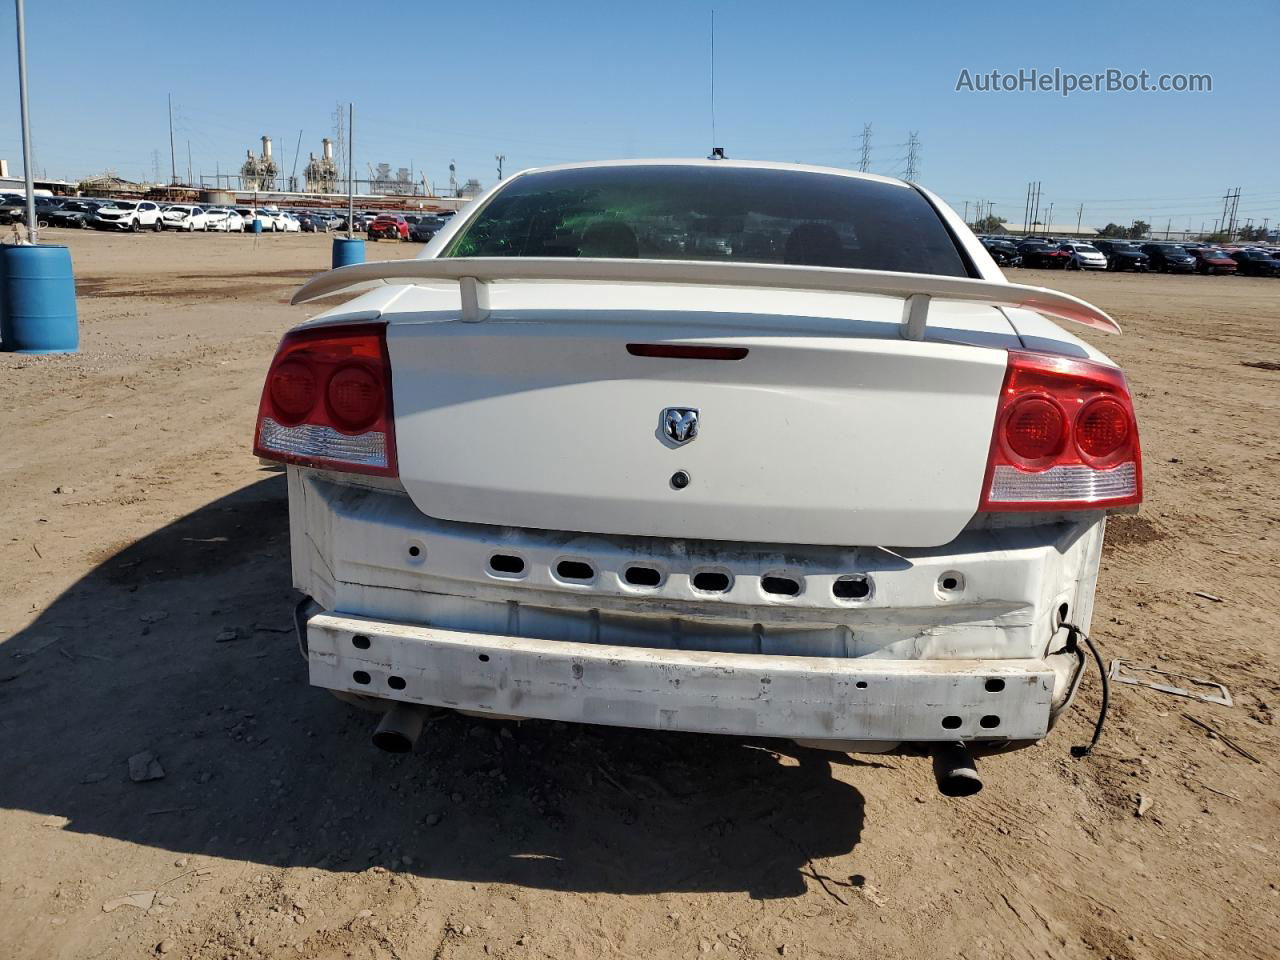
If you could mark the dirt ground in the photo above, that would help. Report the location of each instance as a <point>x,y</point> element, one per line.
<point>139,535</point>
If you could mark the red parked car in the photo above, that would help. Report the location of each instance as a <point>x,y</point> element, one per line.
<point>392,226</point>
<point>1213,260</point>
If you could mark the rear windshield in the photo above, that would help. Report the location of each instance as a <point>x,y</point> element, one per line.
<point>713,213</point>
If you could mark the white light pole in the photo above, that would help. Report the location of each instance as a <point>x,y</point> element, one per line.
<point>26,123</point>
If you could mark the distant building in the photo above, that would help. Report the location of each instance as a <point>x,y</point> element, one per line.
<point>1053,230</point>
<point>108,184</point>
<point>10,182</point>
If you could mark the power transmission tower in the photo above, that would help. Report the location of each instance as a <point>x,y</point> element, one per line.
<point>864,162</point>
<point>913,157</point>
<point>1032,214</point>
<point>155,166</point>
<point>1230,204</point>
<point>501,158</point>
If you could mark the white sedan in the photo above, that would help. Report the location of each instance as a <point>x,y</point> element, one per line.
<point>266,217</point>
<point>225,220</point>
<point>1085,256</point>
<point>832,479</point>
<point>273,220</point>
<point>288,223</point>
<point>181,216</point>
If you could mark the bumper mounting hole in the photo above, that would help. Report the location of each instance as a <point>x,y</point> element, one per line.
<point>711,581</point>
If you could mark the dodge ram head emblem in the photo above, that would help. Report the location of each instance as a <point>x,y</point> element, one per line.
<point>680,424</point>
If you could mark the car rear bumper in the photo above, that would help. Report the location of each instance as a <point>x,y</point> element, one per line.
<point>932,627</point>
<point>802,698</point>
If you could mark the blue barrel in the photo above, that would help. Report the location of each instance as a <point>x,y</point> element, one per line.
<point>347,250</point>
<point>37,300</point>
<point>257,226</point>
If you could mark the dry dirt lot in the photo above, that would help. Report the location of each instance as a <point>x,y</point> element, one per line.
<point>138,530</point>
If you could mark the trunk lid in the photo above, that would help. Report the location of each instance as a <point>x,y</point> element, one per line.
<point>832,430</point>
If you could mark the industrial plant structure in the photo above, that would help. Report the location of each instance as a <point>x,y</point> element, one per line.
<point>321,175</point>
<point>259,173</point>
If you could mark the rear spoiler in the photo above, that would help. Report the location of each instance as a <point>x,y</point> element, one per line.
<point>916,289</point>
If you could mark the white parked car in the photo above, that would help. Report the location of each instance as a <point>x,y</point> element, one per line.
<point>288,222</point>
<point>181,216</point>
<point>131,215</point>
<point>249,214</point>
<point>278,220</point>
<point>1085,256</point>
<point>834,480</point>
<point>224,219</point>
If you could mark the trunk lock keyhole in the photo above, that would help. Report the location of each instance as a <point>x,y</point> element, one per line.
<point>680,479</point>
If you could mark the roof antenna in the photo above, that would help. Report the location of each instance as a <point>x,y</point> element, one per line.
<point>717,153</point>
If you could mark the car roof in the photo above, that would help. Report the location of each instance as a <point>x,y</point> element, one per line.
<point>718,164</point>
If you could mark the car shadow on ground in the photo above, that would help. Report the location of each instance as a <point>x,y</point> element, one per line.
<point>181,645</point>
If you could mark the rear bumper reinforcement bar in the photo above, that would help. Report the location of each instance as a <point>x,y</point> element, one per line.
<point>809,698</point>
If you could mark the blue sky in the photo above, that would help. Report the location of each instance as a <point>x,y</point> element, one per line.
<point>561,81</point>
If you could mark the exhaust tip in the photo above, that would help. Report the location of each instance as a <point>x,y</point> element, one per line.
<point>962,783</point>
<point>955,771</point>
<point>399,729</point>
<point>392,741</point>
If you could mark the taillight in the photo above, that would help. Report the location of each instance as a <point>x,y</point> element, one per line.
<point>327,401</point>
<point>1065,438</point>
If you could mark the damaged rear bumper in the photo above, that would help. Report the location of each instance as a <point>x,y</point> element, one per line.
<point>830,699</point>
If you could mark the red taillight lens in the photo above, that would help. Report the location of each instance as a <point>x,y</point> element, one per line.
<point>292,386</point>
<point>1102,428</point>
<point>1034,427</point>
<point>327,401</point>
<point>1065,438</point>
<point>355,397</point>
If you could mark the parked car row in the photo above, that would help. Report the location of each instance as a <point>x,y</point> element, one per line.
<point>409,226</point>
<point>1058,253</point>
<point>136,215</point>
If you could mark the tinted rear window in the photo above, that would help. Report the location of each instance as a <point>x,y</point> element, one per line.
<point>713,213</point>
